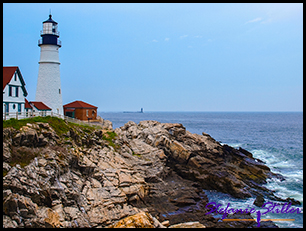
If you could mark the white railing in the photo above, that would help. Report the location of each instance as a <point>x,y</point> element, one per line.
<point>25,115</point>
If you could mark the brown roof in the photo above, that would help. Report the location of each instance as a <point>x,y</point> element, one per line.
<point>8,73</point>
<point>79,104</point>
<point>40,105</point>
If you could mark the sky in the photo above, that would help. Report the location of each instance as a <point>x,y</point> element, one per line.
<point>166,57</point>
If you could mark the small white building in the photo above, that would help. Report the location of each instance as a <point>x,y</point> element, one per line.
<point>14,91</point>
<point>33,108</point>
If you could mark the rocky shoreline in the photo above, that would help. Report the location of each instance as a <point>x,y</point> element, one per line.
<point>149,174</point>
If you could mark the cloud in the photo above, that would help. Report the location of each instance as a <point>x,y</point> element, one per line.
<point>154,40</point>
<point>183,36</point>
<point>167,39</point>
<point>198,36</point>
<point>254,20</point>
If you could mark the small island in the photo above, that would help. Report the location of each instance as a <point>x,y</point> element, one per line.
<point>141,111</point>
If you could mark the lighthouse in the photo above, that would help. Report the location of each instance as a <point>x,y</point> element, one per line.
<point>48,88</point>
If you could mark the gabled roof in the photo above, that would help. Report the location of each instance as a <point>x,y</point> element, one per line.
<point>8,73</point>
<point>79,104</point>
<point>26,104</point>
<point>40,105</point>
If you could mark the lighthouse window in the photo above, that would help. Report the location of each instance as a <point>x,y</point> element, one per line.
<point>59,91</point>
<point>47,28</point>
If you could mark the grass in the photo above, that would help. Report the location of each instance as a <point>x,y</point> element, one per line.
<point>109,137</point>
<point>59,125</point>
<point>134,154</point>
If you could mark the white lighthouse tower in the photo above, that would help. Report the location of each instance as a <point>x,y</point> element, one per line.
<point>48,88</point>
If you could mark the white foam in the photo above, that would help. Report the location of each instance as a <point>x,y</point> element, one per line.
<point>282,191</point>
<point>234,145</point>
<point>295,176</point>
<point>265,156</point>
<point>282,164</point>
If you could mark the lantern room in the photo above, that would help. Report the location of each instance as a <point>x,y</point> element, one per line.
<point>49,33</point>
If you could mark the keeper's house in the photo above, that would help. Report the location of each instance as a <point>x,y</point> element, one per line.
<point>80,110</point>
<point>14,91</point>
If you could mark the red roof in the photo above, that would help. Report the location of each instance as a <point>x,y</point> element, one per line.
<point>8,73</point>
<point>40,105</point>
<point>26,104</point>
<point>79,104</point>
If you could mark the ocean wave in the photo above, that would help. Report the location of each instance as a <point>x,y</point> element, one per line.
<point>284,191</point>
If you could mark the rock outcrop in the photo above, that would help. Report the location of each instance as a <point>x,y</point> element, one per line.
<point>139,175</point>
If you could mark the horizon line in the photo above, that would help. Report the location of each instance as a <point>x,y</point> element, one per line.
<point>122,111</point>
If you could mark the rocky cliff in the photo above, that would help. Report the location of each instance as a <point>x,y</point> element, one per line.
<point>151,174</point>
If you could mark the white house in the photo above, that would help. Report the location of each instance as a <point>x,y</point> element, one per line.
<point>14,91</point>
<point>36,108</point>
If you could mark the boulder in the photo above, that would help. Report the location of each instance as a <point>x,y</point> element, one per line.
<point>259,201</point>
<point>191,224</point>
<point>139,220</point>
<point>6,152</point>
<point>26,137</point>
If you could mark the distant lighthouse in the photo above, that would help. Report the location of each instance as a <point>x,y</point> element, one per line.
<point>48,88</point>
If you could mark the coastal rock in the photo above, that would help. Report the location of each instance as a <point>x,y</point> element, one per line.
<point>259,201</point>
<point>26,137</point>
<point>138,175</point>
<point>105,124</point>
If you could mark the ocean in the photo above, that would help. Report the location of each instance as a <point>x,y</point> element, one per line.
<point>273,137</point>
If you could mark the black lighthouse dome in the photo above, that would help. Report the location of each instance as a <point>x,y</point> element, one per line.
<point>50,20</point>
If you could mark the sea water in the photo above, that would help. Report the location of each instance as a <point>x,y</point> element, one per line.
<point>273,137</point>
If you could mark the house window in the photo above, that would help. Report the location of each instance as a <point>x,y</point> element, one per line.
<point>15,77</point>
<point>14,106</point>
<point>19,107</point>
<point>7,109</point>
<point>10,90</point>
<point>87,113</point>
<point>17,91</point>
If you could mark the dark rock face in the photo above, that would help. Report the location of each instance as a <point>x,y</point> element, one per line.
<point>259,201</point>
<point>150,171</point>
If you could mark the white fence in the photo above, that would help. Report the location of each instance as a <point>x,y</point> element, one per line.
<point>25,115</point>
